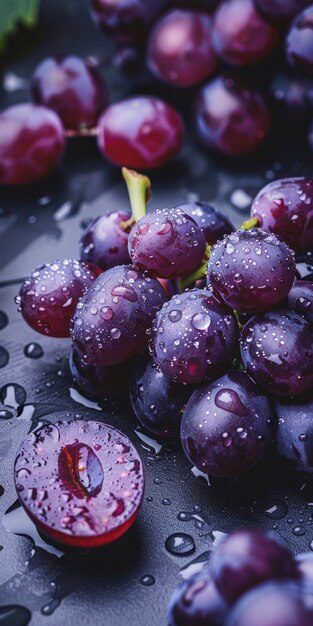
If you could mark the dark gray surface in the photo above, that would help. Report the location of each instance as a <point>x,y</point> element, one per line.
<point>105,588</point>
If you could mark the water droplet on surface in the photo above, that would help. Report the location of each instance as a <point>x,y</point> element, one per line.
<point>33,351</point>
<point>166,501</point>
<point>158,481</point>
<point>180,544</point>
<point>277,509</point>
<point>299,531</point>
<point>14,615</point>
<point>3,320</point>
<point>147,580</point>
<point>13,395</point>
<point>4,357</point>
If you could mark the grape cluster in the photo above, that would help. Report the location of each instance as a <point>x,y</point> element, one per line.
<point>251,579</point>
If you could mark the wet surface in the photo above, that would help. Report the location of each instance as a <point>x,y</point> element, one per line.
<point>182,516</point>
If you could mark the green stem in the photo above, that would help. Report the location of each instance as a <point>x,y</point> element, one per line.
<point>139,191</point>
<point>198,274</point>
<point>251,223</point>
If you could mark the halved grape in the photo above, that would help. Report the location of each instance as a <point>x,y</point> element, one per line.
<point>194,336</point>
<point>227,426</point>
<point>294,436</point>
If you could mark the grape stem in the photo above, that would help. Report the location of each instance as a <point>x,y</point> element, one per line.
<point>139,191</point>
<point>251,223</point>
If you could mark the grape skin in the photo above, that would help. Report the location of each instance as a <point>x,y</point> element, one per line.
<point>294,436</point>
<point>105,242</point>
<point>197,602</point>
<point>213,223</point>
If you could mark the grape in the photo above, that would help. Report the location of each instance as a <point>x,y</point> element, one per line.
<point>300,298</point>
<point>105,240</point>
<point>213,223</point>
<point>141,132</point>
<point>157,401</point>
<point>240,35</point>
<point>272,604</point>
<point>126,20</point>
<point>73,88</point>
<point>227,426</point>
<point>80,482</point>
<point>167,242</point>
<point>194,336</point>
<point>277,350</point>
<point>179,48</point>
<point>246,558</point>
<point>252,270</point>
<point>299,42</point>
<point>196,602</point>
<point>285,207</point>
<point>230,117</point>
<point>294,437</point>
<point>292,98</point>
<point>48,297</point>
<point>112,321</point>
<point>279,10</point>
<point>99,382</point>
<point>31,143</point>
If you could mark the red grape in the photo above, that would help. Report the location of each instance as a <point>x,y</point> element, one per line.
<point>230,117</point>
<point>48,297</point>
<point>227,426</point>
<point>180,50</point>
<point>105,240</point>
<point>73,88</point>
<point>299,42</point>
<point>126,20</point>
<point>285,207</point>
<point>31,143</point>
<point>80,482</point>
<point>141,132</point>
<point>240,34</point>
<point>197,602</point>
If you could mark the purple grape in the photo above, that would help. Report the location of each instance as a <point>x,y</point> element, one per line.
<point>213,223</point>
<point>230,117</point>
<point>300,299</point>
<point>281,10</point>
<point>227,426</point>
<point>299,42</point>
<point>126,20</point>
<point>101,382</point>
<point>73,88</point>
<point>49,296</point>
<point>240,34</point>
<point>112,321</point>
<point>180,50</point>
<point>157,401</point>
<point>277,351</point>
<point>272,604</point>
<point>294,437</point>
<point>105,241</point>
<point>292,97</point>
<point>194,336</point>
<point>252,270</point>
<point>197,602</point>
<point>167,242</point>
<point>285,207</point>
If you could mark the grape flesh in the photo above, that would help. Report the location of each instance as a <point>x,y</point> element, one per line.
<point>197,602</point>
<point>105,241</point>
<point>167,242</point>
<point>294,436</point>
<point>240,35</point>
<point>141,132</point>
<point>100,382</point>
<point>179,48</point>
<point>126,20</point>
<point>157,401</point>
<point>80,482</point>
<point>299,42</point>
<point>277,351</point>
<point>112,321</point>
<point>73,88</point>
<point>278,10</point>
<point>247,558</point>
<point>213,223</point>
<point>300,299</point>
<point>285,207</point>
<point>31,143</point>
<point>49,296</point>
<point>230,117</point>
<point>227,426</point>
<point>194,337</point>
<point>251,270</point>
<point>273,604</point>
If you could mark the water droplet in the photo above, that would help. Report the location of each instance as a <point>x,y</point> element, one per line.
<point>277,509</point>
<point>15,615</point>
<point>33,351</point>
<point>13,395</point>
<point>299,531</point>
<point>175,315</point>
<point>147,580</point>
<point>180,544</point>
<point>201,321</point>
<point>115,333</point>
<point>3,320</point>
<point>166,501</point>
<point>158,481</point>
<point>4,357</point>
<point>106,313</point>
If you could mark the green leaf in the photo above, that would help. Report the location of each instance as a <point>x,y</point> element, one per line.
<point>14,11</point>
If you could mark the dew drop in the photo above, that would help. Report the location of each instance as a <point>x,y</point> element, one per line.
<point>33,351</point>
<point>180,544</point>
<point>147,580</point>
